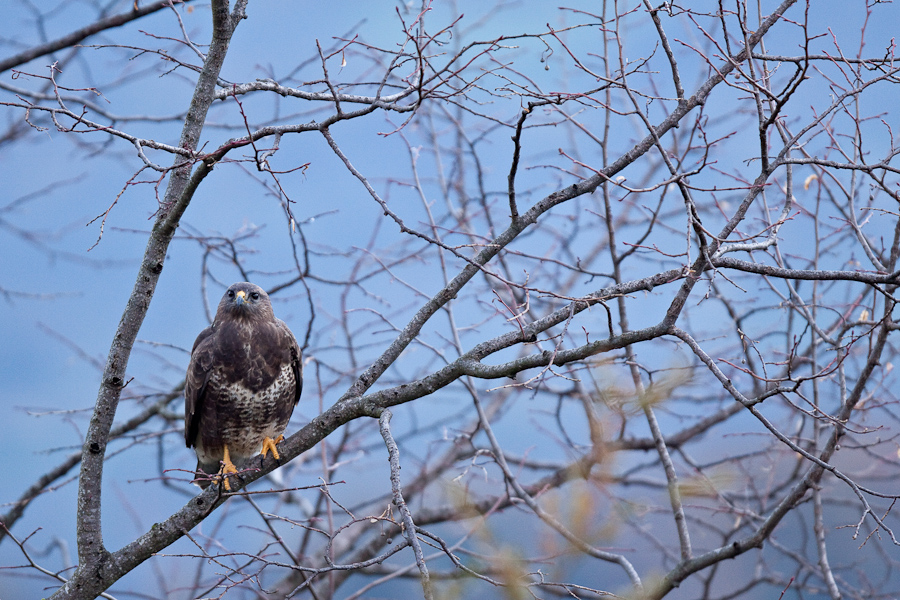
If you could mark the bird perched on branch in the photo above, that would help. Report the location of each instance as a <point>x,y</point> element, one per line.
<point>243,382</point>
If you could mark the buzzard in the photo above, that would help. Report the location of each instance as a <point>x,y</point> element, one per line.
<point>242,384</point>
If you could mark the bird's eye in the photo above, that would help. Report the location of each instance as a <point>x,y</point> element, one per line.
<point>255,295</point>
<point>231,293</point>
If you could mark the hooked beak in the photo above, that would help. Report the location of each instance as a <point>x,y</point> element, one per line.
<point>241,297</point>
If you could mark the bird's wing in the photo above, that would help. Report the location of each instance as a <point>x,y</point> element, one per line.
<point>296,357</point>
<point>195,384</point>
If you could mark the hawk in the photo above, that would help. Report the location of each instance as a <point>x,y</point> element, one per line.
<point>243,382</point>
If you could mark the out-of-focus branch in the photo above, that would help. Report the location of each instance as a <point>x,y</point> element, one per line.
<point>76,36</point>
<point>548,518</point>
<point>40,486</point>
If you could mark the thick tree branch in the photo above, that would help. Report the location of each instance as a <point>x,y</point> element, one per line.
<point>93,557</point>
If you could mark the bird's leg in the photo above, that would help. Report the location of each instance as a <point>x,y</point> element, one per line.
<point>269,445</point>
<point>228,468</point>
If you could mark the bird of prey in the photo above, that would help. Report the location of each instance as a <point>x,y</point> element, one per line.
<point>243,382</point>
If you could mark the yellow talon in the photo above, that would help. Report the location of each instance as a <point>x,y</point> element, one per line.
<point>269,445</point>
<point>227,469</point>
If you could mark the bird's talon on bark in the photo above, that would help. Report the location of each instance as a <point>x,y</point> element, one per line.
<point>227,469</point>
<point>269,446</point>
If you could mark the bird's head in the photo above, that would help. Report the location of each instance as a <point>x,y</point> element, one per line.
<point>245,300</point>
